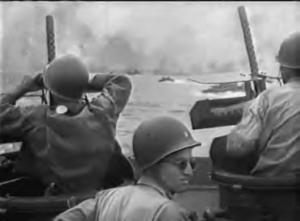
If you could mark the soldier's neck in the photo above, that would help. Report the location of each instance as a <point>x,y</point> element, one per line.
<point>73,107</point>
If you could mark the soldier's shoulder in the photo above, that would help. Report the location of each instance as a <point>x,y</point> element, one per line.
<point>173,211</point>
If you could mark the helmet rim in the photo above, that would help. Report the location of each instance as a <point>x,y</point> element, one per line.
<point>181,147</point>
<point>158,138</point>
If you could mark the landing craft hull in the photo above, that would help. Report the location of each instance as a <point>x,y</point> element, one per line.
<point>202,196</point>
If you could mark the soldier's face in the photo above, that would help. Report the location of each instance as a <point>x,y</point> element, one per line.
<point>176,170</point>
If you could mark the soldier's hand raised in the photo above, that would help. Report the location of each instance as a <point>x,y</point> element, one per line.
<point>33,83</point>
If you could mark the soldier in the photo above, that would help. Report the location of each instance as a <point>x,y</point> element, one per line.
<point>69,143</point>
<point>270,128</point>
<point>270,125</point>
<point>162,148</point>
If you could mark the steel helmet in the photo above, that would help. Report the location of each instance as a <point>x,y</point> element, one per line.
<point>159,137</point>
<point>67,77</point>
<point>289,52</point>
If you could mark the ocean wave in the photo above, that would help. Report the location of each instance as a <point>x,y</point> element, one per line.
<point>226,94</point>
<point>177,111</point>
<point>181,81</point>
<point>145,104</point>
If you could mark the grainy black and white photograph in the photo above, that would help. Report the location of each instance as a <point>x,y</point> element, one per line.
<point>149,111</point>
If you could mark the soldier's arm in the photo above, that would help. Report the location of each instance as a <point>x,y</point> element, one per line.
<point>244,138</point>
<point>13,121</point>
<point>12,96</point>
<point>28,84</point>
<point>115,90</point>
<point>84,211</point>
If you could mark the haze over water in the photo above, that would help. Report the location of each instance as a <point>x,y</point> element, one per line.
<point>183,39</point>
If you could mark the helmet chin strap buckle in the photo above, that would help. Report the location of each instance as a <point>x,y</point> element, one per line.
<point>61,109</point>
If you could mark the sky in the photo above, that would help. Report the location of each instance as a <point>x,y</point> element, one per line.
<point>175,37</point>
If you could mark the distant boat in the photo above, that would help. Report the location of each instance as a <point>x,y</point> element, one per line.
<point>166,79</point>
<point>133,72</point>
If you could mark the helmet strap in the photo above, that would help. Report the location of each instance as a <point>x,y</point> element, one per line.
<point>60,108</point>
<point>87,102</point>
<point>43,96</point>
<point>49,98</point>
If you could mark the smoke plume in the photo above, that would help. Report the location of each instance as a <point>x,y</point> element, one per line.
<point>168,37</point>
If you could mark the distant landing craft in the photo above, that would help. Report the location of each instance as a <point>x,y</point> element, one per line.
<point>166,79</point>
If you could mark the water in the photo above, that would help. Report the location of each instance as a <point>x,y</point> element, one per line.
<point>151,98</point>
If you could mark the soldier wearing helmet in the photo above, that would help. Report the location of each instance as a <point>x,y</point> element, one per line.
<point>162,148</point>
<point>70,143</point>
<point>270,125</point>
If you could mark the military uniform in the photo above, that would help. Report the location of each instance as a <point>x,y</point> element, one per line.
<point>145,201</point>
<point>270,125</point>
<point>72,151</point>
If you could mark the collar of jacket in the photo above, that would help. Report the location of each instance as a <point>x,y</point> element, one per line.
<point>150,182</point>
